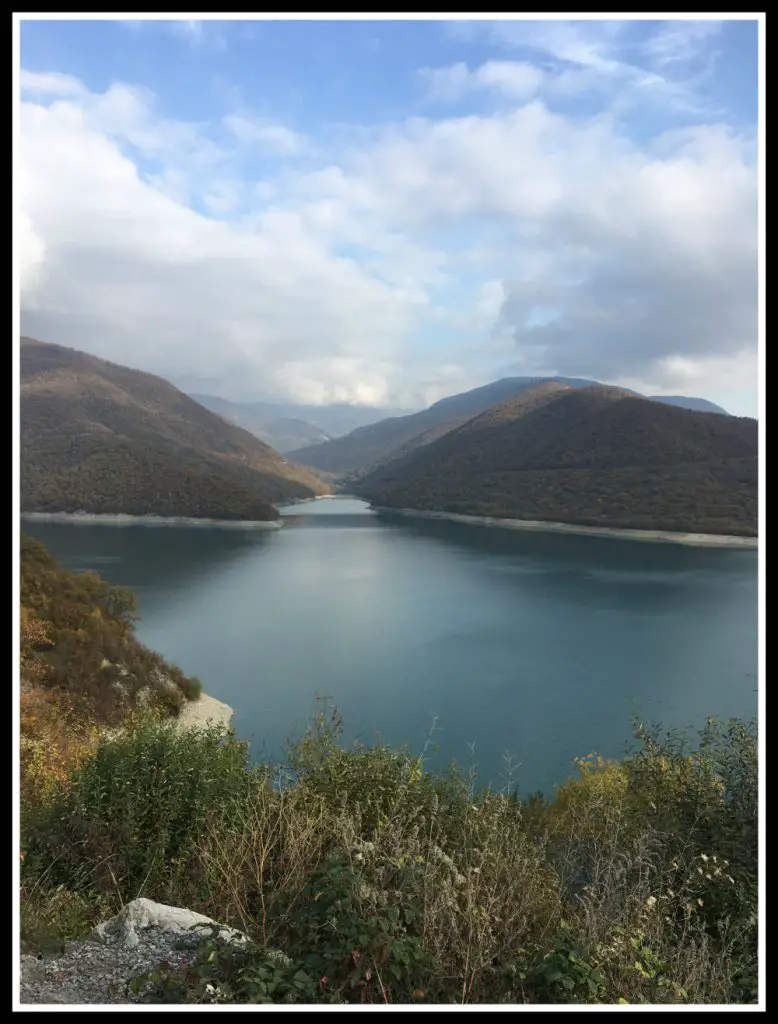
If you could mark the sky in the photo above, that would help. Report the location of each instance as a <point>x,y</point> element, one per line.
<point>388,212</point>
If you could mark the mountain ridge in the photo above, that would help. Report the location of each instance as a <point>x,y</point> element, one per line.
<point>594,456</point>
<point>365,448</point>
<point>100,437</point>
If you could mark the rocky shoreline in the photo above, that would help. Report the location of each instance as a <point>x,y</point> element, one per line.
<point>205,711</point>
<point>712,540</point>
<point>120,519</point>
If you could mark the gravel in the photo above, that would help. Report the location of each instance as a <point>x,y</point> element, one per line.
<point>91,972</point>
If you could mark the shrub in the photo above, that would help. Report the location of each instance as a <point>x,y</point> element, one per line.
<point>129,819</point>
<point>381,884</point>
<point>55,739</point>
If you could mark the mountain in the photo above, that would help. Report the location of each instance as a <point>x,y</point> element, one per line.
<point>696,404</point>
<point>102,438</point>
<point>281,432</point>
<point>371,445</point>
<point>287,426</point>
<point>335,419</point>
<point>594,456</point>
<point>365,448</point>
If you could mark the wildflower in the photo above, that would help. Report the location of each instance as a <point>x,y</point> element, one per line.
<point>704,857</point>
<point>699,903</point>
<point>650,902</point>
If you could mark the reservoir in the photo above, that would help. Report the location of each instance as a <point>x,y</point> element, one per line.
<point>464,641</point>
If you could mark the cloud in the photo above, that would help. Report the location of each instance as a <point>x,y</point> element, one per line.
<point>397,263</point>
<point>627,63</point>
<point>679,41</point>
<point>30,255</point>
<point>615,259</point>
<point>275,138</point>
<point>200,34</point>
<point>516,80</point>
<point>50,83</point>
<point>196,34</point>
<point>134,275</point>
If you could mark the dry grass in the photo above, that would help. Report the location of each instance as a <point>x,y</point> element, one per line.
<point>383,884</point>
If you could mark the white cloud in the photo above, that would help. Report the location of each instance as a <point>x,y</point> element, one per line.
<point>590,254</point>
<point>275,138</point>
<point>50,83</point>
<point>604,58</point>
<point>640,256</point>
<point>679,41</point>
<point>516,80</point>
<point>30,255</point>
<point>196,34</point>
<point>134,275</point>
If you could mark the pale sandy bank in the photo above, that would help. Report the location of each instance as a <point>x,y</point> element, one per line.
<point>90,519</point>
<point>712,540</point>
<point>204,711</point>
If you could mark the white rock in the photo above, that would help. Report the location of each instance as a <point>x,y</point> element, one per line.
<point>142,914</point>
<point>204,711</point>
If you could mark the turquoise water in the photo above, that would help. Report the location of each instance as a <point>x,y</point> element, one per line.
<point>541,645</point>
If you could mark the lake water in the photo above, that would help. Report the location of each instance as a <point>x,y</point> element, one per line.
<point>541,645</point>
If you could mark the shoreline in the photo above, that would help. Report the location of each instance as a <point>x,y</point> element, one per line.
<point>206,710</point>
<point>713,540</point>
<point>124,519</point>
<point>306,501</point>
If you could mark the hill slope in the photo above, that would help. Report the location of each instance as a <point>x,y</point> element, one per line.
<point>364,449</point>
<point>283,433</point>
<point>288,426</point>
<point>696,404</point>
<point>78,637</point>
<point>595,456</point>
<point>368,446</point>
<point>102,438</point>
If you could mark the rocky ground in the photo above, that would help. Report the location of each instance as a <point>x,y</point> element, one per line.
<point>98,969</point>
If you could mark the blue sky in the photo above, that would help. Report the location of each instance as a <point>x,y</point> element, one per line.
<point>388,212</point>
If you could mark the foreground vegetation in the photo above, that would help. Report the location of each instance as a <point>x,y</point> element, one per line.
<point>82,668</point>
<point>359,877</point>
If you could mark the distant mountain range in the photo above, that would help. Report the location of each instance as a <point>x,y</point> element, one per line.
<point>595,456</point>
<point>287,426</point>
<point>101,438</point>
<point>369,445</point>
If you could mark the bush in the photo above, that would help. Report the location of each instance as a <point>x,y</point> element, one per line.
<point>78,635</point>
<point>382,884</point>
<point>55,739</point>
<point>128,822</point>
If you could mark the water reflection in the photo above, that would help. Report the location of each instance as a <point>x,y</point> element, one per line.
<point>538,644</point>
